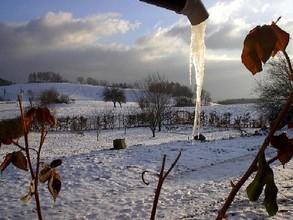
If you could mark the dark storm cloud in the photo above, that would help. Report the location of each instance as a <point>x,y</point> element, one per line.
<point>44,45</point>
<point>72,46</point>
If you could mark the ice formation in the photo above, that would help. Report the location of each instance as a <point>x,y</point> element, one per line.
<point>197,60</point>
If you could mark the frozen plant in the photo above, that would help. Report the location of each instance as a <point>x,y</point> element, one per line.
<point>11,131</point>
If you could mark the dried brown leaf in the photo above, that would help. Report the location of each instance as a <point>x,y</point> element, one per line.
<point>260,44</point>
<point>10,129</point>
<point>7,141</point>
<point>19,160</point>
<point>6,162</point>
<point>30,193</point>
<point>45,174</point>
<point>56,163</point>
<point>284,146</point>
<point>45,117</point>
<point>54,185</point>
<point>282,38</point>
<point>28,118</point>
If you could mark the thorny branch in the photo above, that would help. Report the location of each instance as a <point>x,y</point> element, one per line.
<point>251,169</point>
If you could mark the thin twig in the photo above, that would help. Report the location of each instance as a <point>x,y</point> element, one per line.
<point>278,19</point>
<point>18,145</point>
<point>42,139</point>
<point>173,165</point>
<point>162,178</point>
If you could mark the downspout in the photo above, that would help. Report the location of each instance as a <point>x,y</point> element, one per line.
<point>193,9</point>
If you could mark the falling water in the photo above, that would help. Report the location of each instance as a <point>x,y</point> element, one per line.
<point>197,60</point>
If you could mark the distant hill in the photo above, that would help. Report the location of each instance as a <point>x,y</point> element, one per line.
<point>237,101</point>
<point>4,82</point>
<point>74,91</point>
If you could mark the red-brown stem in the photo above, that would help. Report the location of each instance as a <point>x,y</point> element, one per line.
<point>158,190</point>
<point>251,169</point>
<point>25,138</point>
<point>42,139</point>
<point>162,178</point>
<point>33,175</point>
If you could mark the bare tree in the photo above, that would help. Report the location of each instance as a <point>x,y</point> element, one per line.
<point>154,101</point>
<point>113,94</point>
<point>274,89</point>
<point>80,79</point>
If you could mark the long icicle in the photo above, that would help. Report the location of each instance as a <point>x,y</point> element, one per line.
<point>197,59</point>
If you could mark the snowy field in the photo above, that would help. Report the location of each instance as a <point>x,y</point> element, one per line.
<point>89,101</point>
<point>101,183</point>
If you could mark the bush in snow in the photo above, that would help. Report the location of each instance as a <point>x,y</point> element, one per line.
<point>51,96</point>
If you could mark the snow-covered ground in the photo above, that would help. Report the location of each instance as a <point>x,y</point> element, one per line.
<point>100,183</point>
<point>89,100</point>
<point>74,91</point>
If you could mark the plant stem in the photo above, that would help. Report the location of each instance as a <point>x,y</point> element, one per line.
<point>251,169</point>
<point>158,190</point>
<point>18,145</point>
<point>25,138</point>
<point>42,139</point>
<point>33,175</point>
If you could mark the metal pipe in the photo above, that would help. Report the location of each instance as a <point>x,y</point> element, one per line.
<point>193,9</point>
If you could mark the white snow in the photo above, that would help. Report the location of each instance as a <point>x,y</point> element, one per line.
<point>74,91</point>
<point>101,183</point>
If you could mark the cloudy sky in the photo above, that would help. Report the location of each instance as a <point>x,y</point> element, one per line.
<point>127,40</point>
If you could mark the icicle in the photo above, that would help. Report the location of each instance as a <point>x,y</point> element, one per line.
<point>197,59</point>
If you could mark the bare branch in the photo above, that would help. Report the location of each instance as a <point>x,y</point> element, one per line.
<point>18,145</point>
<point>173,165</point>
<point>162,178</point>
<point>251,169</point>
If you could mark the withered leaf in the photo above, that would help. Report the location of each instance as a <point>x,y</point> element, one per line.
<point>54,185</point>
<point>45,174</point>
<point>282,38</point>
<point>7,141</point>
<point>26,198</point>
<point>10,129</point>
<point>19,160</point>
<point>284,145</point>
<point>6,162</point>
<point>30,193</point>
<point>29,117</point>
<point>56,163</point>
<point>260,44</point>
<point>45,117</point>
